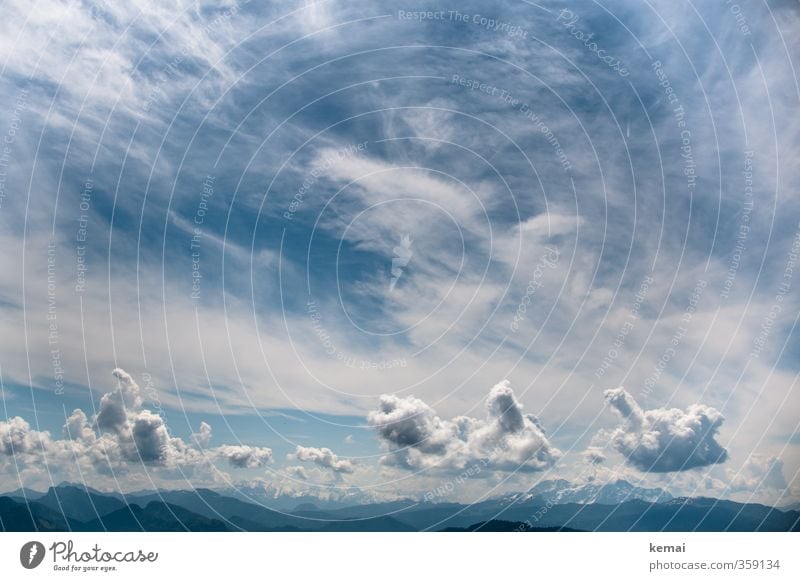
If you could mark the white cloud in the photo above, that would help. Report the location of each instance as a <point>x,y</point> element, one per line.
<point>594,455</point>
<point>115,405</point>
<point>16,437</point>
<point>203,435</point>
<point>122,436</point>
<point>297,472</point>
<point>78,427</point>
<point>323,457</point>
<point>244,456</point>
<point>419,439</point>
<point>760,473</point>
<point>113,62</point>
<point>150,437</point>
<point>665,440</point>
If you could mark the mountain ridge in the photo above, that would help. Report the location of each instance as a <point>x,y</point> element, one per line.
<point>548,506</point>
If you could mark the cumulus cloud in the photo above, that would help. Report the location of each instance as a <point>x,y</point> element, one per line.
<point>507,439</point>
<point>244,456</point>
<point>594,455</point>
<point>78,428</point>
<point>202,437</point>
<point>16,437</point>
<point>122,434</point>
<point>30,448</point>
<point>297,472</point>
<point>759,473</point>
<point>324,458</point>
<point>114,406</point>
<point>665,440</point>
<point>150,436</point>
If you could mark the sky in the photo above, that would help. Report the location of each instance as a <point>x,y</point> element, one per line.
<point>376,248</point>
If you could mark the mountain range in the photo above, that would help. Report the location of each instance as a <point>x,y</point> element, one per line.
<point>563,492</point>
<point>552,505</point>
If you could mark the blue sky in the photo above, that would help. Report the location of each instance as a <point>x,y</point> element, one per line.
<point>343,225</point>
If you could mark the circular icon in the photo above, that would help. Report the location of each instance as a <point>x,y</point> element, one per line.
<point>31,554</point>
